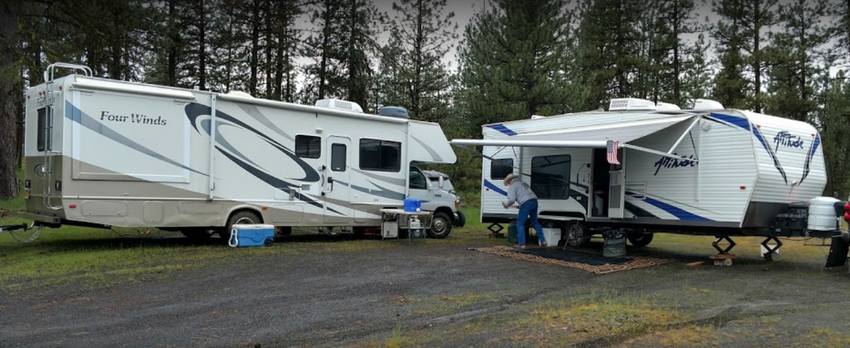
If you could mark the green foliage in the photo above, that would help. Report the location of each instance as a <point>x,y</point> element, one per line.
<point>513,62</point>
<point>412,68</point>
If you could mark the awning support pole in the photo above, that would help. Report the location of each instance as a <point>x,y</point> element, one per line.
<point>655,152</point>
<point>687,131</point>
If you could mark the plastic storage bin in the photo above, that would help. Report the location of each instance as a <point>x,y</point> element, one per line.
<point>249,235</point>
<point>412,204</point>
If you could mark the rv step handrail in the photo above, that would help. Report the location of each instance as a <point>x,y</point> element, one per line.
<point>49,72</point>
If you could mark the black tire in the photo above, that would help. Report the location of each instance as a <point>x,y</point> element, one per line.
<point>461,219</point>
<point>268,242</point>
<point>198,234</point>
<point>640,239</point>
<point>242,217</point>
<point>576,234</point>
<point>284,230</point>
<point>441,226</point>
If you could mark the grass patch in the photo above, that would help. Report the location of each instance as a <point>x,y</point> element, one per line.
<point>689,336</point>
<point>442,305</point>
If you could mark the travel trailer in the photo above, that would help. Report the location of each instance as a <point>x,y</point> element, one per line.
<point>102,152</point>
<point>642,167</point>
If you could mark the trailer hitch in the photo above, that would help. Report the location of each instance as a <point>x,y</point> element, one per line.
<point>9,228</point>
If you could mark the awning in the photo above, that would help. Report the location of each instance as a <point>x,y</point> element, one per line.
<point>590,136</point>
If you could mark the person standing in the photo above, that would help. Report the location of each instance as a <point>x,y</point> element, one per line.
<point>520,193</point>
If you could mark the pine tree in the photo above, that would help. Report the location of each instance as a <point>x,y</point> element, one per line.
<point>513,61</point>
<point>424,35</point>
<point>324,46</point>
<point>9,12</point>
<point>696,72</point>
<point>834,124</point>
<point>609,49</point>
<point>730,87</point>
<point>797,49</point>
<point>360,32</point>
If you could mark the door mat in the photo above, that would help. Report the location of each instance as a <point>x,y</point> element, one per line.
<point>594,263</point>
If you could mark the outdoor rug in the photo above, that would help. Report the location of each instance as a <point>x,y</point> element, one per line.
<point>594,263</point>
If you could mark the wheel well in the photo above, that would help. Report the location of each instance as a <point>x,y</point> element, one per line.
<point>447,211</point>
<point>239,210</point>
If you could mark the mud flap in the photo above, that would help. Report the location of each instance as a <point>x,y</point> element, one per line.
<point>837,252</point>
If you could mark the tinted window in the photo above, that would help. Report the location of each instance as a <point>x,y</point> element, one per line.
<point>500,168</point>
<point>338,157</point>
<point>43,140</point>
<point>418,180</point>
<point>380,155</point>
<point>308,146</point>
<point>550,176</point>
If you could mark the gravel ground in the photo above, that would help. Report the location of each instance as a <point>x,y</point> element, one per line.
<point>437,294</point>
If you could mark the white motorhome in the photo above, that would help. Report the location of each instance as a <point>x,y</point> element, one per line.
<point>647,168</point>
<point>103,152</point>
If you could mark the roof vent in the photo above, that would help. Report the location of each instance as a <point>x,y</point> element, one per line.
<point>534,117</point>
<point>394,111</point>
<point>662,106</point>
<point>339,105</point>
<point>707,104</point>
<point>630,104</point>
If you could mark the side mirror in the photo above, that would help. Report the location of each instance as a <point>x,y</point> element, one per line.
<point>440,181</point>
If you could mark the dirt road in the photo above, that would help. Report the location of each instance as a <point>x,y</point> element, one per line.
<point>441,294</point>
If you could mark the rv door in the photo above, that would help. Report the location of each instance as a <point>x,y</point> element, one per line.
<point>337,185</point>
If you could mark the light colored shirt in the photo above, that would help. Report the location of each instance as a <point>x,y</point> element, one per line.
<point>519,192</point>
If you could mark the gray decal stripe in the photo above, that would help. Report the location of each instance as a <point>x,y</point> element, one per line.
<point>256,114</point>
<point>386,179</point>
<point>87,121</point>
<point>383,192</point>
<point>205,124</point>
<point>431,151</point>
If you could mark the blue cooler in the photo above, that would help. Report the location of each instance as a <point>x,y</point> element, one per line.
<point>412,204</point>
<point>251,235</point>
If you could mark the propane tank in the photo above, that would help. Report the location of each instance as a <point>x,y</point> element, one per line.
<point>415,228</point>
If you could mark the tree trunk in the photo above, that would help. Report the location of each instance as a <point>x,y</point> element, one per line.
<point>202,47</point>
<point>9,10</point>
<point>255,46</point>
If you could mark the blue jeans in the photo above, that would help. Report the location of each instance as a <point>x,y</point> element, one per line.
<point>527,209</point>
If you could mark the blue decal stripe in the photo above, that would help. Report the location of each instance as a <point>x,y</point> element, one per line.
<point>809,158</point>
<point>495,188</point>
<point>679,213</point>
<point>746,125</point>
<point>502,128</point>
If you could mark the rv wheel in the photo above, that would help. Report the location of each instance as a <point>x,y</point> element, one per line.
<point>240,218</point>
<point>639,239</point>
<point>440,226</point>
<point>576,235</point>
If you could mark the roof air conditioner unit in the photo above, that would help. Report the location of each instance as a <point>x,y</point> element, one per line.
<point>534,117</point>
<point>339,105</point>
<point>631,104</point>
<point>706,104</point>
<point>239,94</point>
<point>662,106</point>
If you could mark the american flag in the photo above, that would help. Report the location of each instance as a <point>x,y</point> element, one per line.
<point>612,152</point>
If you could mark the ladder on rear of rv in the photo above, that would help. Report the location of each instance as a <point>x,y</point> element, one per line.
<point>47,168</point>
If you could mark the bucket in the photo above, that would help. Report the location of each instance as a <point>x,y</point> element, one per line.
<point>615,244</point>
<point>412,204</point>
<point>512,238</point>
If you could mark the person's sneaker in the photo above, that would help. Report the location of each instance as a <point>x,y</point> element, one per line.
<point>545,244</point>
<point>521,246</point>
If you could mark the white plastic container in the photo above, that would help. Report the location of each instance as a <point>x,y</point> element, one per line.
<point>822,215</point>
<point>552,235</point>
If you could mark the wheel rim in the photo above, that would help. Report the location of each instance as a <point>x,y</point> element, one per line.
<point>244,221</point>
<point>575,234</point>
<point>439,225</point>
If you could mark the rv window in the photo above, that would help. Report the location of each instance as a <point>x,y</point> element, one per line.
<point>417,180</point>
<point>308,146</point>
<point>500,168</point>
<point>338,154</point>
<point>43,140</point>
<point>550,176</point>
<point>380,155</point>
